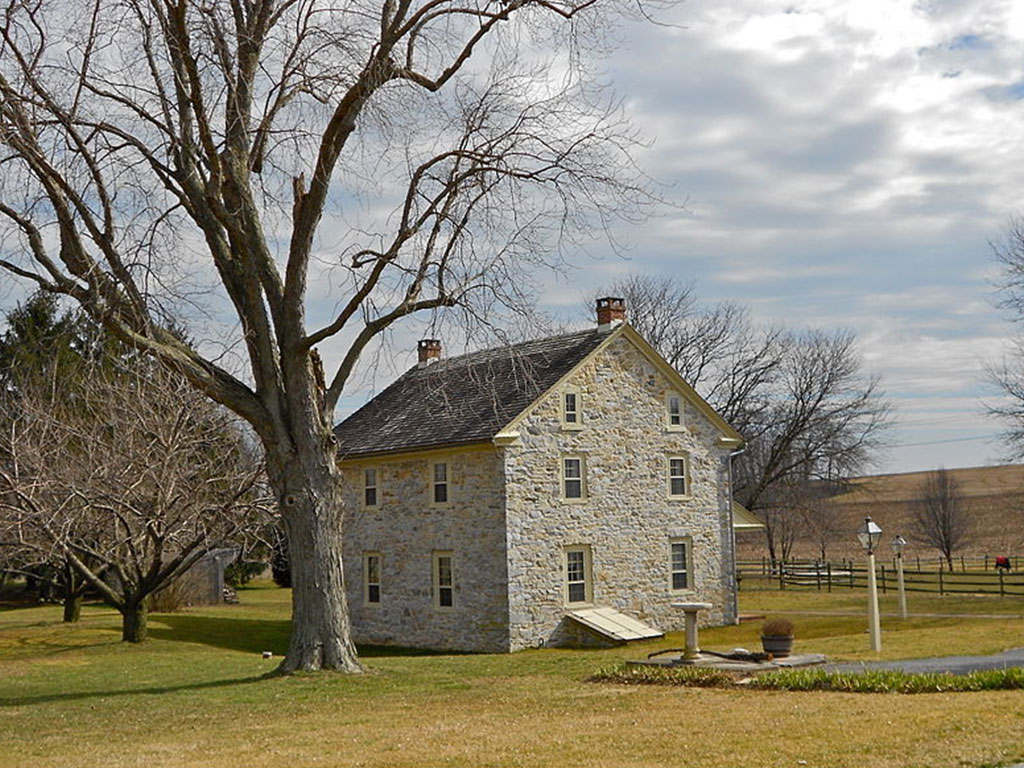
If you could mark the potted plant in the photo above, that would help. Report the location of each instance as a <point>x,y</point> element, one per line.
<point>777,637</point>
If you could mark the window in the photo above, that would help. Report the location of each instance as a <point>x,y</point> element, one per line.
<point>677,476</point>
<point>572,413</point>
<point>577,574</point>
<point>679,564</point>
<point>444,580</point>
<point>371,578</point>
<point>440,492</point>
<point>674,412</point>
<point>573,485</point>
<point>370,487</point>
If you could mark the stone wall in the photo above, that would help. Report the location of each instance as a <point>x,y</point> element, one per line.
<point>627,518</point>
<point>406,528</point>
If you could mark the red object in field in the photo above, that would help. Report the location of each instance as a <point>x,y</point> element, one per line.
<point>1002,563</point>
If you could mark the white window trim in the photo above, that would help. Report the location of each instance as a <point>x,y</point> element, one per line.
<point>435,578</point>
<point>431,482</point>
<point>669,426</point>
<point>563,413</point>
<point>687,484</point>
<point>366,579</point>
<point>687,542</point>
<point>375,486</point>
<point>582,478</point>
<point>588,575</point>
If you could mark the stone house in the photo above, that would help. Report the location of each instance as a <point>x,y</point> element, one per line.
<point>495,495</point>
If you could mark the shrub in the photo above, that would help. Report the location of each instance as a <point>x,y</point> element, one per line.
<point>280,564</point>
<point>889,681</point>
<point>777,628</point>
<point>639,674</point>
<point>171,598</point>
<point>241,572</point>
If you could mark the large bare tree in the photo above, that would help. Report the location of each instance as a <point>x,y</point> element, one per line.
<point>940,518</point>
<point>809,415</point>
<point>416,155</point>
<point>124,476</point>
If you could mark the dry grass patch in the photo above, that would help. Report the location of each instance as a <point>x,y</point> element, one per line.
<point>194,696</point>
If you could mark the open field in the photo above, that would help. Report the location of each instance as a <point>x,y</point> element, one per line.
<point>994,500</point>
<point>195,695</point>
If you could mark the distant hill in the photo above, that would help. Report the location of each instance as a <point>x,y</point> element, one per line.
<point>974,482</point>
<point>994,498</point>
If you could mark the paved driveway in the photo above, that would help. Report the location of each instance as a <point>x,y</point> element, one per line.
<point>957,665</point>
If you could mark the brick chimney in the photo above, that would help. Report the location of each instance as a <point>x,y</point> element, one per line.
<point>611,312</point>
<point>429,351</point>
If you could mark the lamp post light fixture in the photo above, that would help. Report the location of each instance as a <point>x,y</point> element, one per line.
<point>869,535</point>
<point>898,543</point>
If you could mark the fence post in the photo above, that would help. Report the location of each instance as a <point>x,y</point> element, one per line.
<point>919,562</point>
<point>942,588</point>
<point>828,571</point>
<point>782,574</point>
<point>849,570</point>
<point>963,565</point>
<point>883,579</point>
<point>817,573</point>
<point>986,561</point>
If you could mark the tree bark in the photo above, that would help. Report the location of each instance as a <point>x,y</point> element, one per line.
<point>72,606</point>
<point>134,625</point>
<point>72,594</point>
<point>311,508</point>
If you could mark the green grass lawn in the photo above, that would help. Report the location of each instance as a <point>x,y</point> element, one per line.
<point>195,695</point>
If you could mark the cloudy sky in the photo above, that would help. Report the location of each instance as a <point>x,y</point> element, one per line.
<point>846,165</point>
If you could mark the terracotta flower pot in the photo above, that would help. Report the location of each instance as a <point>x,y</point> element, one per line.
<point>777,645</point>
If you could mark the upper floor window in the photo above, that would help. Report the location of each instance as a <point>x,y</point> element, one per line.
<point>440,483</point>
<point>679,563</point>
<point>573,481</point>
<point>370,487</point>
<point>678,484</point>
<point>444,580</point>
<point>674,411</point>
<point>371,578</point>
<point>572,411</point>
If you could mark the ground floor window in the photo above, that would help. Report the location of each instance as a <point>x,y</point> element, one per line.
<point>371,577</point>
<point>577,574</point>
<point>679,564</point>
<point>444,580</point>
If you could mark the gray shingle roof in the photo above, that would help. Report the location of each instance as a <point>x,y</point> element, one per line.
<point>464,399</point>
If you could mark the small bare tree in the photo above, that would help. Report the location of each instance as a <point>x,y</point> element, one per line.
<point>940,519</point>
<point>129,478</point>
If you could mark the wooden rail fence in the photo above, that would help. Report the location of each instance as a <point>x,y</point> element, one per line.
<point>810,574</point>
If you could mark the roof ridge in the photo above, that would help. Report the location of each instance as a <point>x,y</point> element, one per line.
<point>511,347</point>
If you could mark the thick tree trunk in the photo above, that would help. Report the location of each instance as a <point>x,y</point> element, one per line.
<point>72,606</point>
<point>134,623</point>
<point>72,594</point>
<point>311,507</point>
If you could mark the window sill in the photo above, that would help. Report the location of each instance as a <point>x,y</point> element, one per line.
<point>572,427</point>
